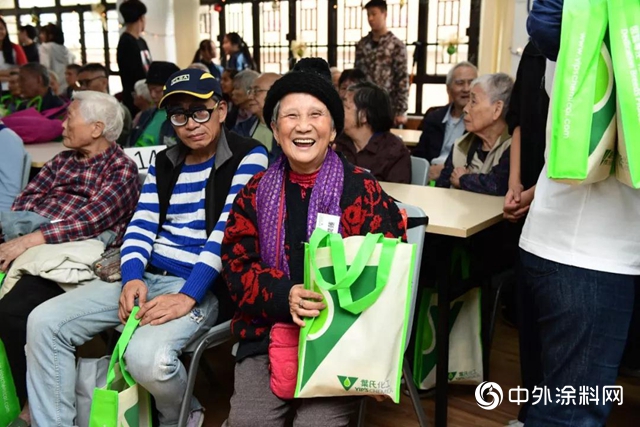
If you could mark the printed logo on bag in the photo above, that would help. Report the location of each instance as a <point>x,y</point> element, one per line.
<point>488,395</point>
<point>347,382</point>
<point>375,387</point>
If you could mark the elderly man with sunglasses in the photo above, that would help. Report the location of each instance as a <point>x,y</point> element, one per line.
<point>170,263</point>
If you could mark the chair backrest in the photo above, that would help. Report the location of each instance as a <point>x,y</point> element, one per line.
<point>415,235</point>
<point>144,156</point>
<point>419,170</point>
<point>26,169</point>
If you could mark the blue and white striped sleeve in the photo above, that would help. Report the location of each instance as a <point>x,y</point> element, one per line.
<point>141,232</point>
<point>209,264</point>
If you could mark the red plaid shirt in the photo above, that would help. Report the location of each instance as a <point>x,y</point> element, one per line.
<point>84,197</point>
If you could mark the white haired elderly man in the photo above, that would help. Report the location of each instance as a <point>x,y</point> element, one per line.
<point>79,194</point>
<point>247,122</point>
<point>442,126</point>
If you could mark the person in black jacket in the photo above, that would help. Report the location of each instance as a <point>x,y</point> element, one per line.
<point>152,127</point>
<point>442,126</point>
<point>133,54</point>
<point>27,36</point>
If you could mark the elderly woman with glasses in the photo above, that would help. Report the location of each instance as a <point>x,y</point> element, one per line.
<point>272,217</point>
<point>170,263</point>
<point>479,160</point>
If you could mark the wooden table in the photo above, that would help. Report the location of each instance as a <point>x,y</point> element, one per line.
<point>42,153</point>
<point>410,137</point>
<point>451,212</point>
<point>456,214</point>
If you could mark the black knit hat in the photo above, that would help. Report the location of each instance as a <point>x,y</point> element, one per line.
<point>312,76</point>
<point>132,10</point>
<point>160,71</point>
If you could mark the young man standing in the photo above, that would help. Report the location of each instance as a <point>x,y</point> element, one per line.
<point>383,58</point>
<point>134,57</point>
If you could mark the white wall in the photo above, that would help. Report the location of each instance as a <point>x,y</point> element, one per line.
<point>519,37</point>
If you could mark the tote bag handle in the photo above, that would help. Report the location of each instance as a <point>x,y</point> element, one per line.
<point>119,350</point>
<point>345,276</point>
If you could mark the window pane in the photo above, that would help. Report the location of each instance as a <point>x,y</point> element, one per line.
<point>75,2</point>
<point>48,18</point>
<point>71,29</point>
<point>93,37</point>
<point>36,3</point>
<point>12,28</point>
<point>7,4</point>
<point>113,29</point>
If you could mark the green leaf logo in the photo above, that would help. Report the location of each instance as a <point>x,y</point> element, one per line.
<point>347,382</point>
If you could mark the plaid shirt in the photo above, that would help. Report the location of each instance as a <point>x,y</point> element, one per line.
<point>83,197</point>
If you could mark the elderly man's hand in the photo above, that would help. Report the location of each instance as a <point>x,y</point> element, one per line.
<point>301,304</point>
<point>14,248</point>
<point>435,171</point>
<point>132,289</point>
<point>456,175</point>
<point>165,308</point>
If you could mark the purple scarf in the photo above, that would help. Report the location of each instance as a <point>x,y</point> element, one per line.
<point>272,208</point>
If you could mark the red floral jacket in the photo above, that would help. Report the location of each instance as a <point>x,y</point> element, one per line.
<point>260,292</point>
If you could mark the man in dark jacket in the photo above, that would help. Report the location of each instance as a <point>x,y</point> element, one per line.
<point>152,127</point>
<point>444,125</point>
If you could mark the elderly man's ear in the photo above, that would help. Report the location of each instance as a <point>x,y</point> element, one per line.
<point>222,111</point>
<point>497,110</point>
<point>97,128</point>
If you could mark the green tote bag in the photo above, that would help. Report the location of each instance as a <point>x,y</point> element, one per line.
<point>10,407</point>
<point>581,128</point>
<point>356,345</point>
<point>624,27</point>
<point>122,402</point>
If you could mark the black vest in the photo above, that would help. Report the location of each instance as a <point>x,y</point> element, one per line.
<point>216,193</point>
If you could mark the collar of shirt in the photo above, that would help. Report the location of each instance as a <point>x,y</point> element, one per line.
<point>372,146</point>
<point>98,158</point>
<point>449,118</point>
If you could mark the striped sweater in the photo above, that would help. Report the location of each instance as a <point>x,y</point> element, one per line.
<point>182,247</point>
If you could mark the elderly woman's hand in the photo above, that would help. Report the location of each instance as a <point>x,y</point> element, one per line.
<point>301,304</point>
<point>456,175</point>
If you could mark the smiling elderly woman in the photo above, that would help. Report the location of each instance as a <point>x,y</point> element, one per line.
<point>272,217</point>
<point>81,193</point>
<point>479,160</point>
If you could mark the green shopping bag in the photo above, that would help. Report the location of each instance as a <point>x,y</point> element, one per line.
<point>624,27</point>
<point>10,407</point>
<point>465,340</point>
<point>122,402</point>
<point>356,345</point>
<point>581,127</point>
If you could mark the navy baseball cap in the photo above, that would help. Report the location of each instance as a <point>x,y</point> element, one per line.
<point>192,82</point>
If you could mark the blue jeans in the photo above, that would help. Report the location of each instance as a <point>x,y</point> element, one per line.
<point>581,318</point>
<point>56,327</point>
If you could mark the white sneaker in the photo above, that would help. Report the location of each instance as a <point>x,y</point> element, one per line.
<point>196,418</point>
<point>514,423</point>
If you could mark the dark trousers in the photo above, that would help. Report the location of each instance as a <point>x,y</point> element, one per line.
<point>28,293</point>
<point>578,330</point>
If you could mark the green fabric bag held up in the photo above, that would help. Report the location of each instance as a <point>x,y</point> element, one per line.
<point>10,407</point>
<point>122,402</point>
<point>581,128</point>
<point>356,345</point>
<point>624,28</point>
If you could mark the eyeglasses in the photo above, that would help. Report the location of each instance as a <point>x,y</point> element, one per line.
<point>180,118</point>
<point>87,82</point>
<point>256,90</point>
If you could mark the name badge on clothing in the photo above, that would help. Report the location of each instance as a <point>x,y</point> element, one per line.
<point>328,222</point>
